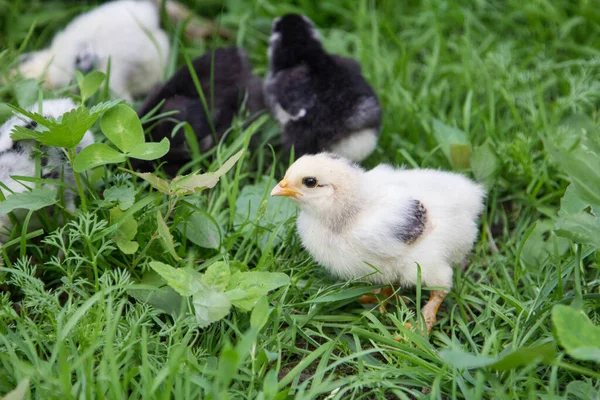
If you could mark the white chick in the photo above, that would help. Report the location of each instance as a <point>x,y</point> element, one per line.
<point>16,158</point>
<point>127,32</point>
<point>379,224</point>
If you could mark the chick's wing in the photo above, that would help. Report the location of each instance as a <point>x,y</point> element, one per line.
<point>393,219</point>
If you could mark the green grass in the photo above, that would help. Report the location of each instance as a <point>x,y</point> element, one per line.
<point>502,73</point>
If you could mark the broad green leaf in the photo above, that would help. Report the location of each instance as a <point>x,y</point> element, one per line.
<point>571,203</point>
<point>544,353</point>
<point>236,266</point>
<point>157,183</point>
<point>152,290</point>
<point>575,222</point>
<point>577,129</point>
<point>34,199</point>
<point>26,92</point>
<point>106,105</point>
<point>126,246</point>
<point>576,333</point>
<point>122,126</point>
<point>95,155</point>
<point>202,230</point>
<point>79,79</point>
<point>263,212</point>
<point>260,314</point>
<point>150,151</point>
<point>217,276</point>
<point>461,155</point>
<point>270,385</point>
<point>575,146</point>
<point>72,126</point>
<point>165,235</point>
<point>581,390</point>
<point>40,119</point>
<point>462,360</point>
<point>21,133</point>
<point>583,169</point>
<point>69,132</point>
<point>541,242</point>
<point>254,284</point>
<point>182,280</point>
<point>485,163</point>
<point>89,84</point>
<point>123,195</point>
<point>126,232</point>
<point>448,136</point>
<point>192,183</point>
<point>20,392</point>
<point>137,206</point>
<point>581,228</point>
<point>210,306</point>
<point>229,362</point>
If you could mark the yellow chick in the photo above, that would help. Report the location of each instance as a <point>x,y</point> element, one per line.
<point>379,224</point>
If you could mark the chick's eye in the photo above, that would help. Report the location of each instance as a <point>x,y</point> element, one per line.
<point>309,182</point>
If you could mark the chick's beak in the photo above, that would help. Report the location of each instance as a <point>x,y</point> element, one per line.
<point>283,189</point>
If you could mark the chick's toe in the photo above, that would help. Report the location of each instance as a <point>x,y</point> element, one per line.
<point>431,308</point>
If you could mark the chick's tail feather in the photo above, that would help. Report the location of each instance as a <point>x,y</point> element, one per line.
<point>196,28</point>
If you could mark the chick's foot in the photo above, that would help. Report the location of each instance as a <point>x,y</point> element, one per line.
<point>386,292</point>
<point>430,309</point>
<point>432,306</point>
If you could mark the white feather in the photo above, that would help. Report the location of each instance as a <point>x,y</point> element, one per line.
<point>127,32</point>
<point>357,146</point>
<point>284,117</point>
<point>345,222</point>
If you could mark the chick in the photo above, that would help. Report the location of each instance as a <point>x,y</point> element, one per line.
<point>17,158</point>
<point>321,101</point>
<point>379,224</point>
<point>127,32</point>
<point>228,76</point>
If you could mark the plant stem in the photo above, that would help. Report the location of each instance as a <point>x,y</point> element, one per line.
<point>578,369</point>
<point>78,182</point>
<point>153,237</point>
<point>38,164</point>
<point>578,302</point>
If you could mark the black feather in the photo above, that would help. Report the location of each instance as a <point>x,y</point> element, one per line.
<point>85,60</point>
<point>232,80</point>
<point>337,99</point>
<point>31,125</point>
<point>414,224</point>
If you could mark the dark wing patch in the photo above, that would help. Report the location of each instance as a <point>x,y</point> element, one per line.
<point>414,225</point>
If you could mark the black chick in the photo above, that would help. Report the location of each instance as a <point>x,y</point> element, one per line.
<point>233,84</point>
<point>322,101</point>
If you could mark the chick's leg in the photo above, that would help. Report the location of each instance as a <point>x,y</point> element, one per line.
<point>430,309</point>
<point>387,293</point>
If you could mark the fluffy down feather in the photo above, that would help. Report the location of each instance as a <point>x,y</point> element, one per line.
<point>379,224</point>
<point>126,31</point>
<point>322,101</point>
